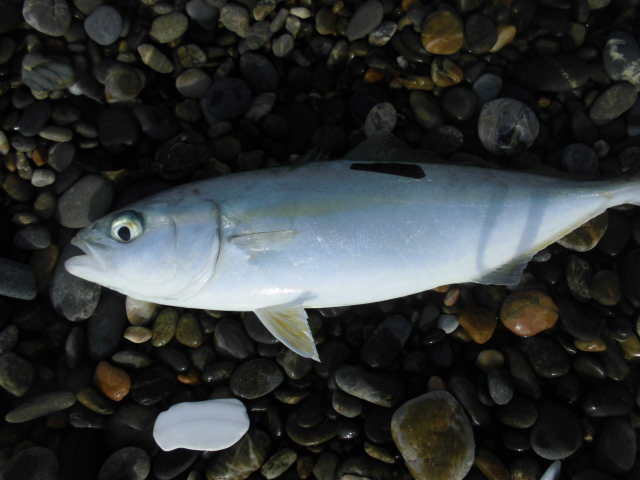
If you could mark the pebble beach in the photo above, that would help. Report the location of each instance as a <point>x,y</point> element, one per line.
<point>104,103</point>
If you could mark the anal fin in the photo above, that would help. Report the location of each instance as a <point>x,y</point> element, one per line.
<point>289,325</point>
<point>508,274</point>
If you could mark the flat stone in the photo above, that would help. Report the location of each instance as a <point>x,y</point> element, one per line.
<point>367,17</point>
<point>170,27</point>
<point>154,58</point>
<point>131,463</point>
<point>612,103</point>
<point>235,18</point>
<point>231,341</point>
<point>278,463</point>
<point>255,379</point>
<point>528,312</point>
<point>164,327</point>
<point>434,436</point>
<point>188,331</point>
<point>548,359</point>
<point>85,202</point>
<point>561,73</point>
<point>507,126</point>
<point>103,25</point>
<point>491,466</point>
<point>479,323</point>
<point>140,312</point>
<point>442,33</point>
<point>41,406</point>
<point>43,73</point>
<point>17,280</point>
<point>31,463</point>
<point>242,459</point>
<point>378,388</point>
<point>615,446</point>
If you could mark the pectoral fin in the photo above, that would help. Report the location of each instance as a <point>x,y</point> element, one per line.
<point>289,325</point>
<point>262,241</point>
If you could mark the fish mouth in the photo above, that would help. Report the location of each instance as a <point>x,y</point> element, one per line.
<point>87,265</point>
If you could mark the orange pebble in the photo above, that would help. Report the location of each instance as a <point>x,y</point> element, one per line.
<point>114,382</point>
<point>190,378</point>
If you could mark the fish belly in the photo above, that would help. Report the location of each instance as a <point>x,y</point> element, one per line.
<point>366,236</point>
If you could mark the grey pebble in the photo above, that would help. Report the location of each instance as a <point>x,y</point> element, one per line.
<point>228,98</point>
<point>278,463</point>
<point>34,118</point>
<point>487,87</point>
<point>381,35</point>
<point>557,433</point>
<point>193,83</point>
<point>54,133</point>
<point>154,58</point>
<point>41,406</point>
<point>367,17</point>
<point>131,463</point>
<point>17,280</point>
<point>205,14</point>
<point>378,388</point>
<point>16,374</point>
<point>86,201</point>
<point>103,25</point>
<point>51,17</point>
<point>106,326</point>
<point>123,83</point>
<point>170,27</point>
<point>61,155</point>
<point>282,45</point>
<point>507,126</point>
<point>31,463</point>
<point>43,177</point>
<point>580,159</point>
<point>381,117</point>
<point>242,459</point>
<point>43,73</point>
<point>615,446</point>
<point>426,109</point>
<point>612,103</point>
<point>32,237</point>
<point>231,341</point>
<point>235,18</point>
<point>255,379</point>
<point>72,297</point>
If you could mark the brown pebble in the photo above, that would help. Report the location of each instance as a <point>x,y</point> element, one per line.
<point>605,288</point>
<point>490,359</point>
<point>413,82</point>
<point>39,157</point>
<point>137,334</point>
<point>506,34</point>
<point>528,312</point>
<point>631,348</point>
<point>372,75</point>
<point>113,381</point>
<point>595,345</point>
<point>442,33</point>
<point>192,377</point>
<point>442,289</point>
<point>188,331</point>
<point>446,73</point>
<point>451,297</point>
<point>490,465</point>
<point>478,322</point>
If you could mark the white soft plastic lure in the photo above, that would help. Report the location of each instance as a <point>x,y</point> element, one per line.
<point>376,225</point>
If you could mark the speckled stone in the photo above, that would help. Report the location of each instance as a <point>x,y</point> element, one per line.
<point>434,436</point>
<point>168,28</point>
<point>41,406</point>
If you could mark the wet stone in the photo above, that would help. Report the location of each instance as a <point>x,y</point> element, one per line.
<point>615,446</point>
<point>16,374</point>
<point>278,463</point>
<point>255,379</point>
<point>41,406</point>
<point>203,13</point>
<point>164,327</point>
<point>487,87</point>
<point>193,83</point>
<point>378,388</point>
<point>587,236</point>
<point>478,323</point>
<point>459,103</point>
<point>434,437</point>
<point>442,33</point>
<point>556,434</point>
<point>612,103</point>
<point>548,359</point>
<point>528,312</point>
<point>524,378</point>
<point>490,465</point>
<point>466,394</point>
<point>382,116</point>
<point>188,331</point>
<point>507,126</point>
<point>346,405</point>
<point>34,118</point>
<point>112,381</point>
<point>294,365</point>
<point>131,463</point>
<point>103,25</point>
<point>61,155</point>
<point>500,388</point>
<point>560,73</point>
<point>519,413</point>
<point>170,27</point>
<point>95,401</point>
<point>259,72</point>
<point>367,17</point>
<point>51,17</point>
<point>152,385</point>
<point>580,322</point>
<point>32,463</point>
<point>106,326</point>
<point>242,459</point>
<point>231,342</point>
<point>169,465</point>
<point>605,288</point>
<point>426,110</point>
<point>139,312</point>
<point>630,276</point>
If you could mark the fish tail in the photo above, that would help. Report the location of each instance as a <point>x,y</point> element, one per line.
<point>626,189</point>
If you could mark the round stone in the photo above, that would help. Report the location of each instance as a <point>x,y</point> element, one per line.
<point>259,72</point>
<point>188,331</point>
<point>380,389</point>
<point>278,463</point>
<point>154,58</point>
<point>605,288</point>
<point>556,434</point>
<point>235,18</point>
<point>51,17</point>
<point>164,327</point>
<point>131,463</point>
<point>242,459</point>
<point>114,382</point>
<point>487,87</point>
<point>32,237</point>
<point>367,17</point>
<point>519,413</point>
<point>168,28</point>
<point>123,83</point>
<point>480,33</point>
<point>193,83</point>
<point>615,446</point>
<point>255,379</point>
<point>231,341</point>
<point>31,463</point>
<point>17,280</point>
<point>381,117</point>
<point>228,98</point>
<point>507,126</point>
<point>139,312</point>
<point>86,201</point>
<point>479,323</point>
<point>528,312</point>
<point>442,33</point>
<point>103,25</point>
<point>580,159</point>
<point>434,436</point>
<point>547,358</point>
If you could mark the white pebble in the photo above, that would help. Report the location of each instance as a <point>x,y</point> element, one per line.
<point>448,323</point>
<point>553,472</point>
<point>205,426</point>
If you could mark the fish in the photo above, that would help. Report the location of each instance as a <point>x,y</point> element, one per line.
<point>383,222</point>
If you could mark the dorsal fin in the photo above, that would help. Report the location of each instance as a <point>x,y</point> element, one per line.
<point>384,147</point>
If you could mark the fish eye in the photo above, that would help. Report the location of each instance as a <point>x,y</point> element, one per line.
<point>126,227</point>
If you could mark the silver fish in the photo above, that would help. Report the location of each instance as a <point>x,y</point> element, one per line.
<point>376,225</point>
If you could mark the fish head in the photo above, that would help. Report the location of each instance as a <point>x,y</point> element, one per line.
<point>162,250</point>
